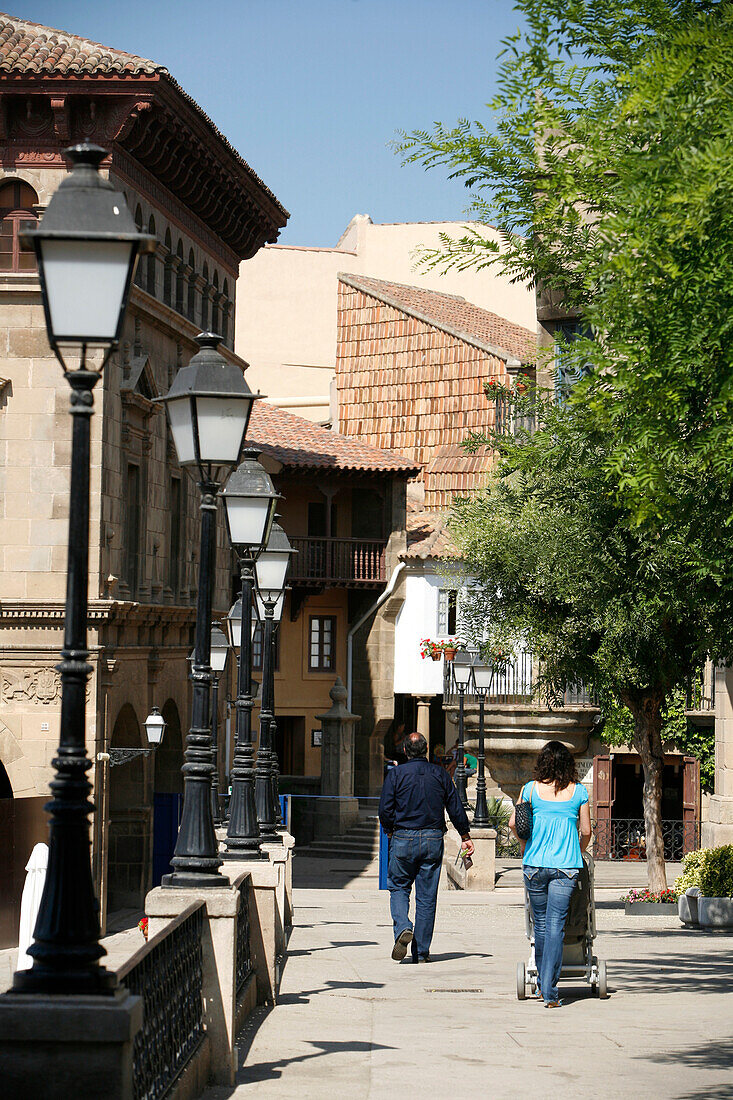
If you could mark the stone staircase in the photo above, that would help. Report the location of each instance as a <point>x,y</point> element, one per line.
<point>359,843</point>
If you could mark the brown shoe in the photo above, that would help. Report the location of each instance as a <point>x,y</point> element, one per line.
<point>401,944</point>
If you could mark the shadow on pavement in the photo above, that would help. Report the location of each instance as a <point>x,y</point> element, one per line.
<point>334,943</point>
<point>271,1071</point>
<point>691,973</point>
<point>304,995</point>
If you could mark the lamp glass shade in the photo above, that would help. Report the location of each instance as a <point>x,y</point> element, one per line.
<point>155,727</point>
<point>222,422</point>
<point>271,569</point>
<point>483,675</point>
<point>234,624</point>
<point>86,284</point>
<point>219,649</point>
<point>249,519</point>
<point>180,418</point>
<point>462,668</point>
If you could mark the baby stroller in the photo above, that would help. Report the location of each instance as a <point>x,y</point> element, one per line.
<point>578,960</point>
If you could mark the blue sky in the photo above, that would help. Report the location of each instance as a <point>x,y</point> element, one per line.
<point>312,91</point>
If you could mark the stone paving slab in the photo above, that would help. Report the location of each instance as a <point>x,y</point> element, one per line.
<point>350,1022</point>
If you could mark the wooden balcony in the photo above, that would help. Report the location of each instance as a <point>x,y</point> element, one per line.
<point>327,562</point>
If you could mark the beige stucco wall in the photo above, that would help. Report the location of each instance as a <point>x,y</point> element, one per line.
<point>287,303</point>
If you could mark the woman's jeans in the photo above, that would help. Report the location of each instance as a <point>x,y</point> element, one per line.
<point>549,892</point>
<point>415,856</point>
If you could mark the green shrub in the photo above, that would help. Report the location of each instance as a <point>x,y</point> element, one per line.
<point>709,868</point>
<point>691,868</point>
<point>716,875</point>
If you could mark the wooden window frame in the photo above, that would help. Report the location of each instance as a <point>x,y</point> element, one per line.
<point>320,666</point>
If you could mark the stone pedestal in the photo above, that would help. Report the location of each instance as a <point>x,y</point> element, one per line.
<point>337,748</point>
<point>718,829</point>
<point>53,1048</point>
<point>482,875</point>
<point>264,922</point>
<point>219,964</point>
<point>423,718</point>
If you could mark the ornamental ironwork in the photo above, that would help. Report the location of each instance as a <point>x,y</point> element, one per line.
<point>243,960</point>
<point>624,838</point>
<point>168,974</point>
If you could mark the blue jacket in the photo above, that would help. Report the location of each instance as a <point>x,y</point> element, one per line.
<point>416,795</point>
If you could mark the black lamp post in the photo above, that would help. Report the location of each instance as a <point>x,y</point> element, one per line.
<point>483,678</point>
<point>218,660</point>
<point>462,676</point>
<point>86,249</point>
<point>271,569</point>
<point>208,408</point>
<point>249,502</point>
<point>277,615</point>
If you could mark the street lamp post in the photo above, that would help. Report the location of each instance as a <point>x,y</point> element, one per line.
<point>271,569</point>
<point>483,678</point>
<point>277,615</point>
<point>208,408</point>
<point>218,660</point>
<point>86,248</point>
<point>462,676</point>
<point>249,502</point>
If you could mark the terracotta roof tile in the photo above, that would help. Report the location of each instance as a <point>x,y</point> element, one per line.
<point>452,314</point>
<point>298,443</point>
<point>427,537</point>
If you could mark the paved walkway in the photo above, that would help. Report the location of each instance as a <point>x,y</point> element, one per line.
<point>350,1022</point>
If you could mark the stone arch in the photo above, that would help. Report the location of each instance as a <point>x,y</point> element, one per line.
<point>15,764</point>
<point>130,818</point>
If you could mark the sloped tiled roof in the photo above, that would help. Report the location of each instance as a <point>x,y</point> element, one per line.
<point>427,537</point>
<point>453,315</point>
<point>301,444</point>
<point>31,49</point>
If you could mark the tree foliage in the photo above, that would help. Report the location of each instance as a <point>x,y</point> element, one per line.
<point>607,167</point>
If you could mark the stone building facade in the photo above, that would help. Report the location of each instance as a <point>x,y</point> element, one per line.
<point>208,211</point>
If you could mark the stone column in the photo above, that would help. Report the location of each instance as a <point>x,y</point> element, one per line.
<point>338,810</point>
<point>423,717</point>
<point>718,829</point>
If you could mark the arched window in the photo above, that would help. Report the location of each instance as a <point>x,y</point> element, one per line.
<point>150,261</point>
<point>168,270</point>
<point>139,226</point>
<point>191,304</point>
<point>225,312</point>
<point>180,279</point>
<point>215,305</point>
<point>205,300</point>
<point>17,200</point>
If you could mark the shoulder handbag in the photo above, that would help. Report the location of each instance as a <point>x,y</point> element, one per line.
<point>523,819</point>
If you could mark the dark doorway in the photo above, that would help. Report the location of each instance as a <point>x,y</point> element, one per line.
<point>129,820</point>
<point>290,744</point>
<point>167,792</point>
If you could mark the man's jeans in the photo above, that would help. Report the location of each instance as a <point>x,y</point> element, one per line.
<point>549,892</point>
<point>415,856</point>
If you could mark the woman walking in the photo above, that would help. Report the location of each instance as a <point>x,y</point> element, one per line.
<point>552,856</point>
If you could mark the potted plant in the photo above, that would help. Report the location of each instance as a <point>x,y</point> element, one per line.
<point>715,903</point>
<point>431,649</point>
<point>687,887</point>
<point>450,648</point>
<point>647,903</point>
<point>143,926</point>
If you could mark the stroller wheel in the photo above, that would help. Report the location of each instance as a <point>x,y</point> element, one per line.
<point>521,981</point>
<point>602,980</point>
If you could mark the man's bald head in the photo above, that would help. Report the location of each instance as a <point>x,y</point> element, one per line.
<point>415,746</point>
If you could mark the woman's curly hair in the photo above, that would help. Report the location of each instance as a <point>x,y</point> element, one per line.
<point>555,764</point>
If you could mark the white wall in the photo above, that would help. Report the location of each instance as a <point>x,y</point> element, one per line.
<point>417,619</point>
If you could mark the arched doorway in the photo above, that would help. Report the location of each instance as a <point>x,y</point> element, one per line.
<point>129,819</point>
<point>167,792</point>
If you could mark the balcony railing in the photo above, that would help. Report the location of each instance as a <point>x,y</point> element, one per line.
<point>356,563</point>
<point>701,690</point>
<point>516,682</point>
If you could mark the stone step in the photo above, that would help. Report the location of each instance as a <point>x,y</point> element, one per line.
<point>342,846</point>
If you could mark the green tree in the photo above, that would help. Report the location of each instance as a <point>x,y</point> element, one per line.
<point>607,166</point>
<point>620,607</point>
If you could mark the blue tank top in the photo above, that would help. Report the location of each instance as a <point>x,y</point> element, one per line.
<point>554,841</point>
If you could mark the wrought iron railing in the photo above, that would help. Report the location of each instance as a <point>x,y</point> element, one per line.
<point>624,838</point>
<point>243,958</point>
<point>356,562</point>
<point>701,689</point>
<point>516,681</point>
<point>167,973</point>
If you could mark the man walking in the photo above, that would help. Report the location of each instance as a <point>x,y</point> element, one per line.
<point>412,809</point>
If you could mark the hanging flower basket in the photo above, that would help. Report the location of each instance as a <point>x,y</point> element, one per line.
<point>429,648</point>
<point>143,926</point>
<point>450,648</point>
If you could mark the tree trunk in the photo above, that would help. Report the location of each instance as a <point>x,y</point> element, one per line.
<point>646,709</point>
